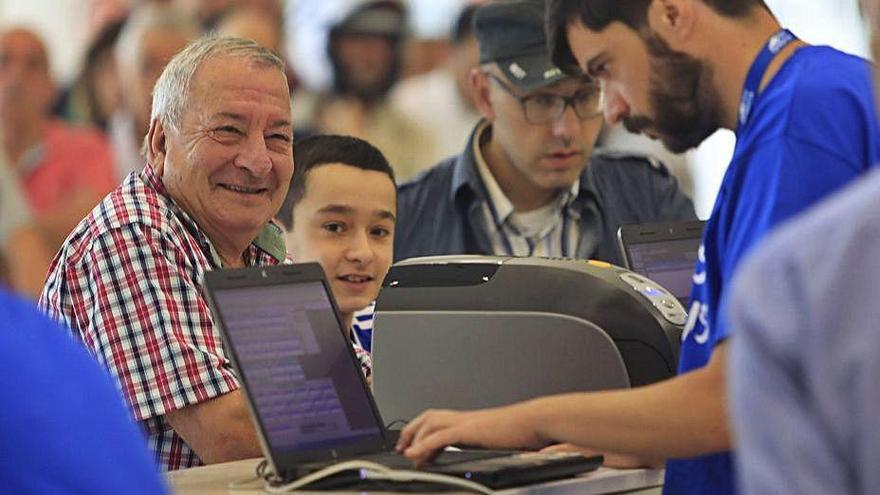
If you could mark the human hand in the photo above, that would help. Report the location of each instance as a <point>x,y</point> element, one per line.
<point>616,461</point>
<point>498,428</point>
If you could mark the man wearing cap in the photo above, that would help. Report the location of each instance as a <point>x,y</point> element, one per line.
<point>528,182</point>
<point>805,124</point>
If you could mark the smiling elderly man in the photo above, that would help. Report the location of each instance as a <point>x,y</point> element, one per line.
<point>128,280</point>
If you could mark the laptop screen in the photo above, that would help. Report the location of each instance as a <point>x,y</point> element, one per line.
<point>670,263</point>
<point>297,366</point>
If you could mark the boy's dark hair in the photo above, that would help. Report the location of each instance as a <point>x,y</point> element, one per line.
<point>596,15</point>
<point>325,149</point>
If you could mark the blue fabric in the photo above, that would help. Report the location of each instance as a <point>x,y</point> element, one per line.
<point>63,425</point>
<point>812,130</point>
<point>362,327</point>
<point>806,316</point>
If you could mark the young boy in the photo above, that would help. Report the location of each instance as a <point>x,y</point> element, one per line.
<point>341,211</point>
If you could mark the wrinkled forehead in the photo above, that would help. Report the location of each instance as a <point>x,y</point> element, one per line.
<point>221,73</point>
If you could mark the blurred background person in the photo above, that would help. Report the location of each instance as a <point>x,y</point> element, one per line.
<point>210,13</point>
<point>254,24</point>
<point>363,41</point>
<point>24,252</point>
<point>95,94</point>
<point>265,25</point>
<point>206,12</point>
<point>62,171</point>
<point>441,101</point>
<point>152,34</point>
<point>103,13</point>
<point>14,214</point>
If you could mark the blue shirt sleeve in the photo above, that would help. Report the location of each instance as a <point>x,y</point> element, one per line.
<point>63,425</point>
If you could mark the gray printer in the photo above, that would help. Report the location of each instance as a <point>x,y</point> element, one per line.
<point>469,332</point>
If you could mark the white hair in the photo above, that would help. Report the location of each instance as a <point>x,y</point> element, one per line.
<point>172,91</point>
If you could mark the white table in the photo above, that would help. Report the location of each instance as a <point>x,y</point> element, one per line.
<point>215,479</point>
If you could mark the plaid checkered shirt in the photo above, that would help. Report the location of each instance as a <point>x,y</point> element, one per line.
<point>128,282</point>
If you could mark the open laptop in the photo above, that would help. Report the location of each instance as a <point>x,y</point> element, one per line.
<point>306,392</point>
<point>663,252</point>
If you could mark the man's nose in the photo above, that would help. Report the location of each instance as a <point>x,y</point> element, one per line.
<point>359,248</point>
<point>568,124</point>
<point>254,155</point>
<point>615,108</point>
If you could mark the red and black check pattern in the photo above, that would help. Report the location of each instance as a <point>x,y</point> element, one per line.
<point>128,281</point>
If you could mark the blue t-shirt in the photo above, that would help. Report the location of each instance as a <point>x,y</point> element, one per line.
<point>811,131</point>
<point>63,426</point>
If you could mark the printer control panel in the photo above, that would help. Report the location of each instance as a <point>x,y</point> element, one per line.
<point>662,299</point>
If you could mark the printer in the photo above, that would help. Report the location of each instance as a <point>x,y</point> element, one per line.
<point>468,332</point>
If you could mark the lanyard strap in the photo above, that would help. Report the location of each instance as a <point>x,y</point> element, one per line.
<point>759,67</point>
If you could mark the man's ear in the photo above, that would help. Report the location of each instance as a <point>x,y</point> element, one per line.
<point>673,20</point>
<point>155,145</point>
<point>480,86</point>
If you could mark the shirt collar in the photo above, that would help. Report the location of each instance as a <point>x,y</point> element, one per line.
<point>270,239</point>
<point>464,174</point>
<point>503,206</point>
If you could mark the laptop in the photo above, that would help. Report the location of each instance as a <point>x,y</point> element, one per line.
<point>306,392</point>
<point>663,252</point>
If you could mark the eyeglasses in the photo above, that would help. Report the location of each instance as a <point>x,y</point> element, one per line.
<point>542,108</point>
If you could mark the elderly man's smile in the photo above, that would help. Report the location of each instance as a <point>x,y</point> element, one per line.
<point>248,190</point>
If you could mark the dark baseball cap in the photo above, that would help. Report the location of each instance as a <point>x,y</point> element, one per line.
<point>511,34</point>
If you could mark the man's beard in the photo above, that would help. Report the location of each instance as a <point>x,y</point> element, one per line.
<point>686,105</point>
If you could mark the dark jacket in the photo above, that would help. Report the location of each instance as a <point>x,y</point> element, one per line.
<point>440,212</point>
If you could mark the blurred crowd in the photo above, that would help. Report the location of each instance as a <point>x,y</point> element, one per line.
<point>354,67</point>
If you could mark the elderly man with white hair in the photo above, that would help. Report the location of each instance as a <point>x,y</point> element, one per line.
<point>128,281</point>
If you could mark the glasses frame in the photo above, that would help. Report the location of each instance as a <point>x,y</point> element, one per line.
<point>567,101</point>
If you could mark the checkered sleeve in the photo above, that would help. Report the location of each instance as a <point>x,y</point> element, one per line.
<point>150,324</point>
<point>364,358</point>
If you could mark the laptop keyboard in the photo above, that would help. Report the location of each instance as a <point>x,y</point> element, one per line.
<point>446,458</point>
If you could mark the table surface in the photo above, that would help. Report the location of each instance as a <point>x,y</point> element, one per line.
<point>215,480</point>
